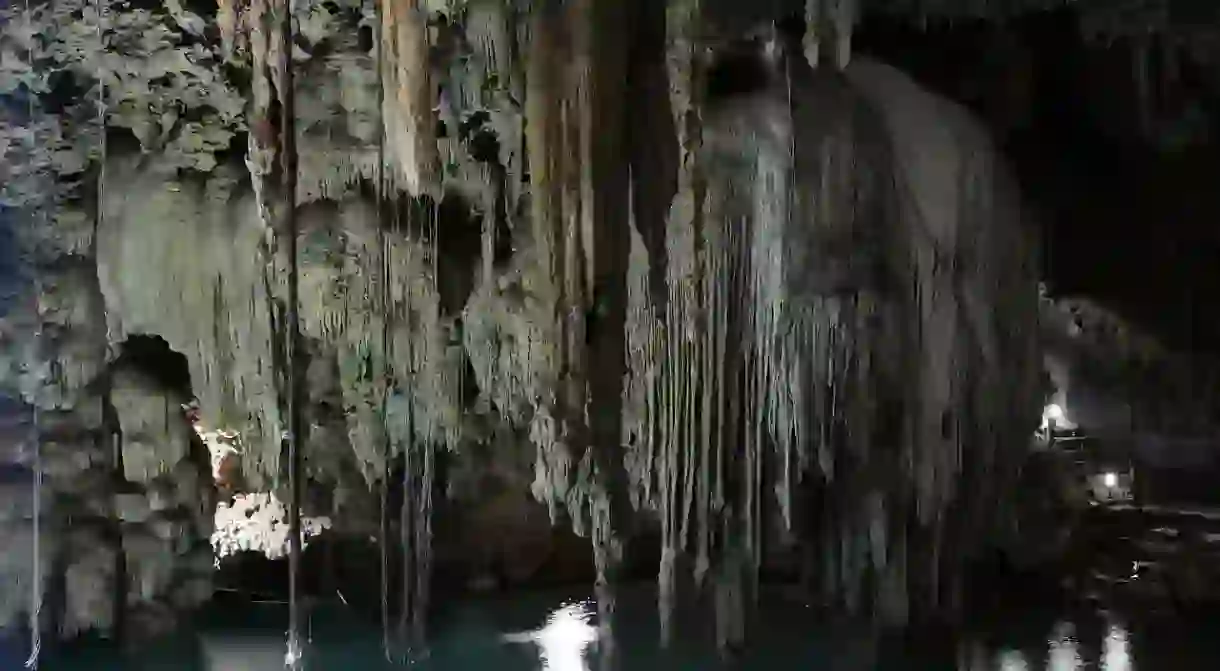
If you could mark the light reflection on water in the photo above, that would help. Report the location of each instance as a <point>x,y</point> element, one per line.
<point>1064,651</point>
<point>1011,660</point>
<point>1117,650</point>
<point>565,638</point>
<point>554,634</point>
<point>566,641</point>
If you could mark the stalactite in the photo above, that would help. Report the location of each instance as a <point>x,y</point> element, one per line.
<point>408,111</point>
<point>579,186</point>
<point>282,26</point>
<point>406,539</point>
<point>388,314</point>
<point>252,36</point>
<point>423,541</point>
<point>405,445</point>
<point>424,481</point>
<point>685,358</point>
<point>760,373</point>
<point>545,108</point>
<point>797,366</point>
<point>604,185</point>
<point>36,583</point>
<point>384,543</point>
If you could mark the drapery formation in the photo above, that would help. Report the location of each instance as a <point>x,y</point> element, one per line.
<point>790,316</point>
<point>846,352</point>
<point>580,217</point>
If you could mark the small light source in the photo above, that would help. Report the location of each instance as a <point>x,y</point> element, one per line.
<point>1110,479</point>
<point>1052,414</point>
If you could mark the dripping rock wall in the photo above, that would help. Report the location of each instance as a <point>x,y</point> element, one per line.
<point>827,353</point>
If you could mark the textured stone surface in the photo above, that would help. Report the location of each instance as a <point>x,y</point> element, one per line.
<point>827,296</point>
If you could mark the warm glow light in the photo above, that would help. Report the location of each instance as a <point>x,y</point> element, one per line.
<point>564,639</point>
<point>1110,479</point>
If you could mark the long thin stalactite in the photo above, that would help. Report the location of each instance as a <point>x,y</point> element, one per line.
<point>35,615</point>
<point>288,175</point>
<point>35,621</point>
<point>387,372</point>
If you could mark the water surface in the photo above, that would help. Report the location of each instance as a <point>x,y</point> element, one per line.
<point>544,631</point>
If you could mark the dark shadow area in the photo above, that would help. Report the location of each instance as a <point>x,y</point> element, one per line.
<point>1127,210</point>
<point>152,356</point>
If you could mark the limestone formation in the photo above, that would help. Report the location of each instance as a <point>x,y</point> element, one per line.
<point>796,316</point>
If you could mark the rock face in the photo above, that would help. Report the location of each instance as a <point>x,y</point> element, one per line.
<point>1120,384</point>
<point>791,311</point>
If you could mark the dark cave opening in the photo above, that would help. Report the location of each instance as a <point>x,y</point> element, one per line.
<point>152,356</point>
<point>454,229</point>
<point>737,70</point>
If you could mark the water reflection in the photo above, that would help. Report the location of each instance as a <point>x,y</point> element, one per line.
<point>1064,651</point>
<point>564,640</point>
<point>1116,654</point>
<point>555,633</point>
<point>1011,660</point>
<point>1070,648</point>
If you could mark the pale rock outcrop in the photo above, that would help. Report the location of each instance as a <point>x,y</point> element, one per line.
<point>183,260</point>
<point>859,327</point>
<point>258,523</point>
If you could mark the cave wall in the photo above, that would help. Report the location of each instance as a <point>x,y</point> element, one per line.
<point>817,323</point>
<point>1123,384</point>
